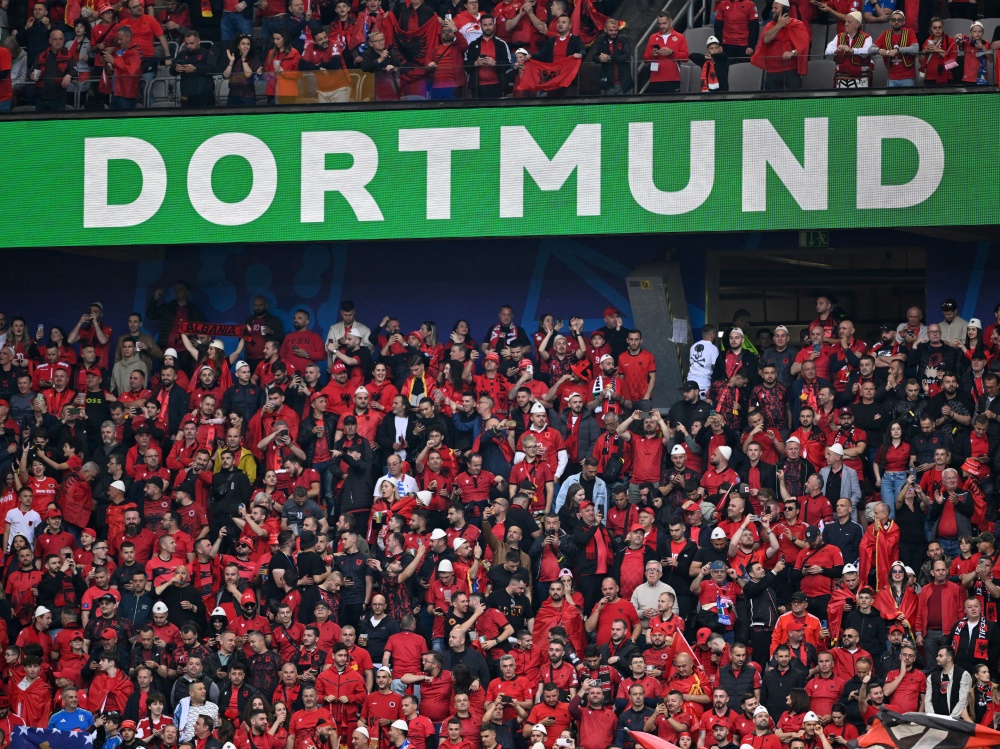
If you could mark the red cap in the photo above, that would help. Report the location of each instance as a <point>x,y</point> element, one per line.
<point>609,311</point>
<point>846,411</point>
<point>690,506</point>
<point>636,527</point>
<point>703,634</point>
<point>659,629</point>
<point>55,512</point>
<point>75,634</point>
<point>896,628</point>
<point>338,367</point>
<point>96,371</point>
<point>127,724</point>
<point>586,504</point>
<point>524,364</point>
<point>248,597</point>
<point>4,403</point>
<point>648,511</point>
<point>416,334</point>
<point>91,531</point>
<point>317,395</point>
<point>794,625</point>
<point>973,466</point>
<point>104,8</point>
<point>493,356</point>
<point>108,634</point>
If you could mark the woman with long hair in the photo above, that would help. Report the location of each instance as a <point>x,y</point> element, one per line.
<point>398,602</point>
<point>984,698</point>
<point>242,72</point>
<point>460,334</point>
<point>380,389</point>
<point>281,66</point>
<point>973,342</point>
<point>897,602</point>
<point>890,465</point>
<point>575,495</point>
<point>790,722</point>
<point>279,726</point>
<point>19,340</point>
<point>910,513</point>
<point>257,702</point>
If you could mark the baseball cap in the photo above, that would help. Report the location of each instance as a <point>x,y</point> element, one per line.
<point>984,538</point>
<point>718,533</point>
<point>636,527</point>
<point>647,510</point>
<point>703,634</point>
<point>55,512</point>
<point>845,411</point>
<point>896,628</point>
<point>161,608</point>
<point>800,596</point>
<point>248,597</point>
<point>794,625</point>
<point>812,533</point>
<point>338,366</point>
<point>849,568</point>
<point>949,304</point>
<point>690,506</point>
<point>75,634</point>
<point>540,728</point>
<point>90,531</point>
<point>108,634</point>
<point>609,311</point>
<point>107,597</point>
<point>810,717</point>
<point>690,385</point>
<point>438,533</point>
<point>565,572</point>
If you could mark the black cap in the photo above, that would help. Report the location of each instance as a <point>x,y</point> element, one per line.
<point>743,490</point>
<point>949,304</point>
<point>107,597</point>
<point>886,326</point>
<point>800,596</point>
<point>812,533</point>
<point>155,481</point>
<point>307,540</point>
<point>143,430</point>
<point>690,385</point>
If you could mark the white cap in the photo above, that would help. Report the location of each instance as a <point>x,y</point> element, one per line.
<point>849,568</point>
<point>678,450</point>
<point>760,709</point>
<point>229,745</point>
<point>606,356</point>
<point>836,449</point>
<point>523,51</point>
<point>750,746</point>
<point>425,497</point>
<point>856,15</point>
<point>400,725</point>
<point>119,485</point>
<point>712,40</point>
<point>909,570</point>
<point>384,668</point>
<point>977,23</point>
<point>794,439</point>
<point>780,327</point>
<point>975,322</point>
<point>786,4</point>
<point>810,717</point>
<point>458,542</point>
<point>537,408</point>
<point>438,533</point>
<point>216,343</point>
<point>362,389</point>
<point>41,611</point>
<point>161,608</point>
<point>363,731</point>
<point>239,365</point>
<point>718,533</point>
<point>217,611</point>
<point>740,330</point>
<point>170,352</point>
<point>445,566</point>
<point>540,728</point>
<point>726,451</point>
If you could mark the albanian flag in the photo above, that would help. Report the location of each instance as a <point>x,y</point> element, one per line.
<point>919,731</point>
<point>679,644</point>
<point>415,48</point>
<point>650,740</point>
<point>588,22</point>
<point>548,76</point>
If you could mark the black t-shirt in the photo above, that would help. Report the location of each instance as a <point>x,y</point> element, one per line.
<point>517,609</point>
<point>353,567</point>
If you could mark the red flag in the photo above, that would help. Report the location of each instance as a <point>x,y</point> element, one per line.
<point>909,730</point>
<point>416,48</point>
<point>681,645</point>
<point>588,22</point>
<point>650,740</point>
<point>548,76</point>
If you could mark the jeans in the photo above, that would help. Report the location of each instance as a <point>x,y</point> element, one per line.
<point>48,105</point>
<point>933,642</point>
<point>950,546</point>
<point>400,688</point>
<point>892,484</point>
<point>241,101</point>
<point>6,106</point>
<point>233,24</point>
<point>437,644</point>
<point>903,83</point>
<point>120,102</point>
<point>788,80</point>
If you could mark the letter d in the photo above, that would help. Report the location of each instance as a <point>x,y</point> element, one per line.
<point>97,154</point>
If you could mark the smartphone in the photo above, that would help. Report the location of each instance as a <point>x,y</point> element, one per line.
<point>817,347</point>
<point>823,623</point>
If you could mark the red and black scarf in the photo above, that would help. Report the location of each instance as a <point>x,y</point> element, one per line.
<point>981,646</point>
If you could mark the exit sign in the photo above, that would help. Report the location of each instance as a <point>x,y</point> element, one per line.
<point>814,239</point>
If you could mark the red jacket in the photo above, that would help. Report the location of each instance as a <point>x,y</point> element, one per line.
<point>667,68</point>
<point>75,499</point>
<point>952,602</point>
<point>126,70</point>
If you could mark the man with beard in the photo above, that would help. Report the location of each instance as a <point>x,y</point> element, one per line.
<point>143,539</point>
<point>647,448</point>
<point>734,359</point>
<point>720,472</point>
<point>557,611</point>
<point>951,409</point>
<point>301,346</point>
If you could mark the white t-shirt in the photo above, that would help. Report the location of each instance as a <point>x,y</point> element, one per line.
<point>405,484</point>
<point>701,361</point>
<point>23,523</point>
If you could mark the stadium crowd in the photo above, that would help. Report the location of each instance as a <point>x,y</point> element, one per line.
<point>99,53</point>
<point>387,537</point>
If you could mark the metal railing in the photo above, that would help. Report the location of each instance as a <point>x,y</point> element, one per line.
<point>677,9</point>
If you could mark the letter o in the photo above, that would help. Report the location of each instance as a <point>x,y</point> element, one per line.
<point>264,185</point>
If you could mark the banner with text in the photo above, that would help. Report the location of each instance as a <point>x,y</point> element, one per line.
<point>853,162</point>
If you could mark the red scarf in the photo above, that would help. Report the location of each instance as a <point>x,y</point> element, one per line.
<point>981,647</point>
